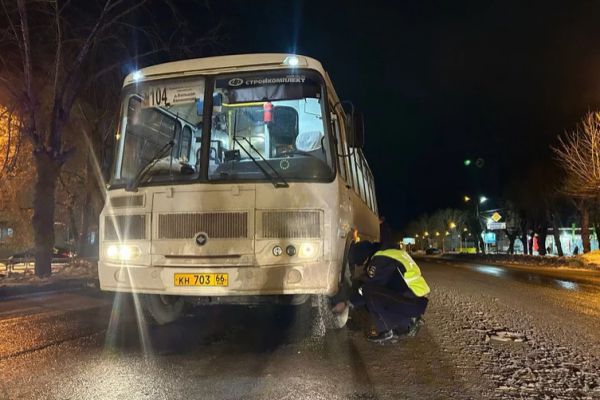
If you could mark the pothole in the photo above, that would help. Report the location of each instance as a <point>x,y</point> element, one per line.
<point>504,335</point>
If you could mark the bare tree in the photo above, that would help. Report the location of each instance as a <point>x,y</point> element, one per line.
<point>578,154</point>
<point>10,140</point>
<point>50,51</point>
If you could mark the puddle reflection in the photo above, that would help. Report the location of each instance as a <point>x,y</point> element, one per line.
<point>524,276</point>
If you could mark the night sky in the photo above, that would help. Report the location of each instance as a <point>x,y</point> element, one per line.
<point>439,82</point>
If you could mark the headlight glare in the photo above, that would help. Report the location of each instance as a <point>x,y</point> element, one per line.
<point>122,252</point>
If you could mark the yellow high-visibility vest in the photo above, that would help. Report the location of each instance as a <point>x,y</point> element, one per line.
<point>413,278</point>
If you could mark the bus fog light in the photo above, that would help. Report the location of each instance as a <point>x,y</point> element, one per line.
<point>290,250</point>
<point>122,252</point>
<point>277,251</point>
<point>307,250</point>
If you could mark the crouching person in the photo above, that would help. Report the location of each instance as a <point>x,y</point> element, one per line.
<point>393,290</point>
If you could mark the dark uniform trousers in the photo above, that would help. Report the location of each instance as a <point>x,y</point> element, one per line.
<point>390,309</point>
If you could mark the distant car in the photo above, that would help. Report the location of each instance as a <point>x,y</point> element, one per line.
<point>59,255</point>
<point>432,250</point>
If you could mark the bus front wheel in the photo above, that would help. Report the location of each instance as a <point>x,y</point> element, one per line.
<point>334,316</point>
<point>162,309</point>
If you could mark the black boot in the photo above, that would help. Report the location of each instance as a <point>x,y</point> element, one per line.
<point>381,337</point>
<point>415,325</point>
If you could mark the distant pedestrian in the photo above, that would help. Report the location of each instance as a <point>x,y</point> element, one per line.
<point>576,250</point>
<point>549,250</point>
<point>393,290</point>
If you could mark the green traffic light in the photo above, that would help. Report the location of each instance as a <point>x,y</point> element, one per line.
<point>467,162</point>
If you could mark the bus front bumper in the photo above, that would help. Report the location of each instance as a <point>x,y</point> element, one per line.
<point>313,278</point>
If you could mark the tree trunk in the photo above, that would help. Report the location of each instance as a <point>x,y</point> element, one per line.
<point>596,225</point>
<point>511,241</point>
<point>82,243</point>
<point>481,242</point>
<point>585,228</point>
<point>542,234</point>
<point>530,244</point>
<point>43,211</point>
<point>73,230</point>
<point>556,234</point>
<point>523,225</point>
<point>524,242</point>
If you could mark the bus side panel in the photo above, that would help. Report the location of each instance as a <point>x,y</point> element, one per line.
<point>365,220</point>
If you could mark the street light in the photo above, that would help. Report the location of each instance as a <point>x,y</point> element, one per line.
<point>452,225</point>
<point>466,198</point>
<point>426,234</point>
<point>482,199</point>
<point>437,234</point>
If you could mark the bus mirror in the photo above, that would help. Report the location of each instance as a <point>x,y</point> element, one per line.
<point>356,127</point>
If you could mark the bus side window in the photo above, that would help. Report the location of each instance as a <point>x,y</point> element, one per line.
<point>339,137</point>
<point>367,183</point>
<point>347,151</point>
<point>375,200</point>
<point>368,187</point>
<point>361,177</point>
<point>371,198</point>
<point>354,163</point>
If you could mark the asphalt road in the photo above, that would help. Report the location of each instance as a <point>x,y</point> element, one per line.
<point>490,332</point>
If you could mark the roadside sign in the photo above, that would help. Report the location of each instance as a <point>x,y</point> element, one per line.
<point>489,237</point>
<point>496,216</point>
<point>496,226</point>
<point>408,240</point>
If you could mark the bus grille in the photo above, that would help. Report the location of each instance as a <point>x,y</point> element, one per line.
<point>127,201</point>
<point>215,225</point>
<point>291,224</point>
<point>125,227</point>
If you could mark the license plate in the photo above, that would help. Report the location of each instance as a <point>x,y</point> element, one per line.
<point>208,279</point>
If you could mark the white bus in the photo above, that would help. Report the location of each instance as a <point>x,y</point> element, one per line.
<point>236,180</point>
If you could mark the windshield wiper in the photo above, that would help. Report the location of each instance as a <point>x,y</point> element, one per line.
<point>132,186</point>
<point>277,180</point>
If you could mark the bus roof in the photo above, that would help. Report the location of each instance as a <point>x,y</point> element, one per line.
<point>212,65</point>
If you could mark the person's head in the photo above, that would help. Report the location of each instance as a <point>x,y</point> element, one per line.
<point>362,251</point>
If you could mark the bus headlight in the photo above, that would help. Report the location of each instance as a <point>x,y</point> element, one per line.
<point>307,250</point>
<point>122,252</point>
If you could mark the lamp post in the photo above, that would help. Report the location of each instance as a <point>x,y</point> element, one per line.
<point>481,199</point>
<point>452,226</point>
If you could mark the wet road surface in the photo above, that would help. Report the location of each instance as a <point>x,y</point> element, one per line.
<point>490,332</point>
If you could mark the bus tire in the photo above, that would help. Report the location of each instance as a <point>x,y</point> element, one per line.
<point>332,320</point>
<point>162,309</point>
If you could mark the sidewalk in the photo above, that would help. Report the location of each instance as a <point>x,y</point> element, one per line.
<point>78,276</point>
<point>565,272</point>
<point>583,262</point>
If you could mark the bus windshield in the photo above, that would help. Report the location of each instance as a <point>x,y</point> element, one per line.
<point>269,123</point>
<point>264,126</point>
<point>160,131</point>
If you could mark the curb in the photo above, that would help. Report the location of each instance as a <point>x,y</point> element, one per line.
<point>509,264</point>
<point>67,285</point>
